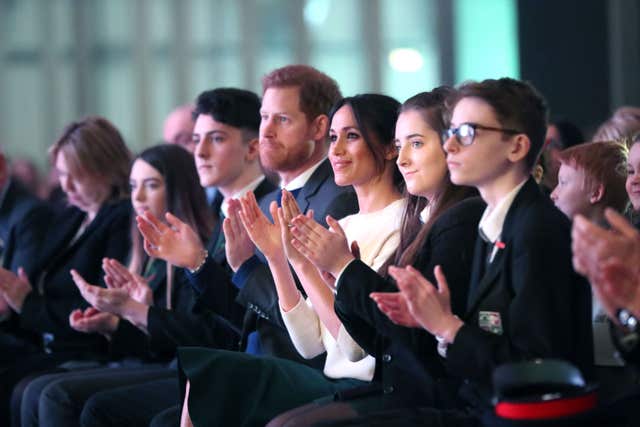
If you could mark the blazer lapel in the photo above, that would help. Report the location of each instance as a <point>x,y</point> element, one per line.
<point>318,177</point>
<point>488,280</point>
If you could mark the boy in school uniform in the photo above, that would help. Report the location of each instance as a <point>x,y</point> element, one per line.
<point>525,299</point>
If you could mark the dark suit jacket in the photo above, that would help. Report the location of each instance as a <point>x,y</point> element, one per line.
<point>158,344</point>
<point>530,287</point>
<point>257,288</point>
<point>408,366</point>
<point>24,221</point>
<point>46,309</point>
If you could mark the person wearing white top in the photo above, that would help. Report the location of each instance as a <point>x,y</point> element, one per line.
<point>362,154</point>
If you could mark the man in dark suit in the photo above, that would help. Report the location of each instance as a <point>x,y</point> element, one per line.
<point>293,142</point>
<point>23,225</point>
<point>525,300</point>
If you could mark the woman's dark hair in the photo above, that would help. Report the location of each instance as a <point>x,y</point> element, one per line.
<point>376,117</point>
<point>434,111</point>
<point>184,195</point>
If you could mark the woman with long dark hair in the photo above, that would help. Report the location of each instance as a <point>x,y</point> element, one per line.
<point>439,227</point>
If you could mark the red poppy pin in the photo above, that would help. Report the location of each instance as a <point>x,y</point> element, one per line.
<point>500,244</point>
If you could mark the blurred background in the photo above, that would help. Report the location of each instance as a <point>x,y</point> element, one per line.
<point>133,61</point>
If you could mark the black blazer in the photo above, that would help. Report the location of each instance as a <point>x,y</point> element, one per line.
<point>254,279</point>
<point>539,307</point>
<point>24,221</point>
<point>46,309</point>
<point>188,323</point>
<point>409,369</point>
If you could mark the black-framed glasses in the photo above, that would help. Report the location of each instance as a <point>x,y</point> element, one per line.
<point>466,132</point>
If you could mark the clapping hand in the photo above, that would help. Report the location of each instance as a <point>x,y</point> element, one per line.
<point>429,305</point>
<point>92,320</point>
<point>175,243</point>
<point>14,288</point>
<point>262,232</point>
<point>328,250</point>
<point>238,245</point>
<point>118,276</point>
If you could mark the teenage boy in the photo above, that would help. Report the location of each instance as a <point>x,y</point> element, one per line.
<point>525,300</point>
<point>293,142</point>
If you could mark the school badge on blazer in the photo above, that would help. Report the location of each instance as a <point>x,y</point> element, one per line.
<point>490,321</point>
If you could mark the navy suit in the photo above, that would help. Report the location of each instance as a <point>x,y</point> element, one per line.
<point>254,279</point>
<point>23,224</point>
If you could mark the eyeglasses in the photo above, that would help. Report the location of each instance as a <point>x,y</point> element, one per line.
<point>466,132</point>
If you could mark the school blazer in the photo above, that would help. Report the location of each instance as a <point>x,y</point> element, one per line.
<point>156,345</point>
<point>46,309</point>
<point>256,286</point>
<point>23,224</point>
<point>529,303</point>
<point>408,367</point>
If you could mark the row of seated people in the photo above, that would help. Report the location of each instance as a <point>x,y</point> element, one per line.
<point>372,283</point>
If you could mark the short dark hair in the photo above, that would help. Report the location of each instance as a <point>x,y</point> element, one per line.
<point>517,104</point>
<point>318,91</point>
<point>234,107</point>
<point>376,117</point>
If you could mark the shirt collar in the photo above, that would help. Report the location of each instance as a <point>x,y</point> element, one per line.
<point>250,187</point>
<point>492,221</point>
<point>425,214</point>
<point>300,180</point>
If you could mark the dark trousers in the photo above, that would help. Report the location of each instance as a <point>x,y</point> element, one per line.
<point>57,399</point>
<point>130,406</point>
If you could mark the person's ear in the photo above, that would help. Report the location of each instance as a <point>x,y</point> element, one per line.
<point>253,151</point>
<point>319,128</point>
<point>519,148</point>
<point>390,151</point>
<point>596,194</point>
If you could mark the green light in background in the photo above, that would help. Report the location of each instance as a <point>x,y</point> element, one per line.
<point>486,39</point>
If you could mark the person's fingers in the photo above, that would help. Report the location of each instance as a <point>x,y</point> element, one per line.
<point>309,227</point>
<point>443,286</point>
<point>335,226</point>
<point>355,250</point>
<point>149,233</point>
<point>273,210</point>
<point>23,275</point>
<point>300,247</point>
<point>151,249</point>
<point>154,221</point>
<point>78,279</point>
<point>620,223</point>
<point>174,221</point>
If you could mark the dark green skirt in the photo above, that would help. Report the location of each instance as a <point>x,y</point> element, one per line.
<point>237,389</point>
